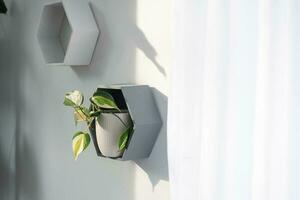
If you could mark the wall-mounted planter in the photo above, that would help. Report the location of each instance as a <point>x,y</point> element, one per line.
<point>140,103</point>
<point>67,33</point>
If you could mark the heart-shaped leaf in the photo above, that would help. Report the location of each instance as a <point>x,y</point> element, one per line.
<point>104,100</point>
<point>124,139</point>
<point>73,99</point>
<point>81,141</point>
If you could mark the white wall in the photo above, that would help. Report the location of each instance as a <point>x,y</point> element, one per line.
<point>35,128</point>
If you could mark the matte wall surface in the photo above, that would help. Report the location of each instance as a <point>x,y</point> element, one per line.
<point>36,129</point>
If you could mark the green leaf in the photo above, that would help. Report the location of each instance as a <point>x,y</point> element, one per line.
<point>95,113</point>
<point>80,142</point>
<point>68,102</point>
<point>104,100</point>
<point>73,99</point>
<point>124,139</point>
<point>85,110</point>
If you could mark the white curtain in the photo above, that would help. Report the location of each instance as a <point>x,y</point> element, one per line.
<point>234,106</point>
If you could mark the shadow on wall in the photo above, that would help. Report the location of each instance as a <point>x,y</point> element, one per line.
<point>116,48</point>
<point>115,54</point>
<point>27,181</point>
<point>156,166</point>
<point>22,173</point>
<point>114,62</point>
<point>7,129</point>
<point>6,174</point>
<point>28,185</point>
<point>142,43</point>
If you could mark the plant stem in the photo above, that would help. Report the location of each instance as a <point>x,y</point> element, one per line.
<point>83,112</point>
<point>80,113</point>
<point>113,111</point>
<point>120,119</point>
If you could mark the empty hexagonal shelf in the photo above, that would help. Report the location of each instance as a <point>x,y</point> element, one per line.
<point>67,33</point>
<point>141,106</point>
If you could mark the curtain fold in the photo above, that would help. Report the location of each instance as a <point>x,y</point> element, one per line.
<point>234,106</point>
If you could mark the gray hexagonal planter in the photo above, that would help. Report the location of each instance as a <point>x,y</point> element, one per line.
<point>140,103</point>
<point>67,33</point>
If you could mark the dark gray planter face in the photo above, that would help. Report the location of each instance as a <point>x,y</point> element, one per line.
<point>144,114</point>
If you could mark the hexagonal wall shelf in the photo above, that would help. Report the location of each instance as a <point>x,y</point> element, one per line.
<point>67,33</point>
<point>140,103</point>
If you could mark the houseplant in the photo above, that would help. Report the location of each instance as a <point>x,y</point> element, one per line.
<point>113,126</point>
